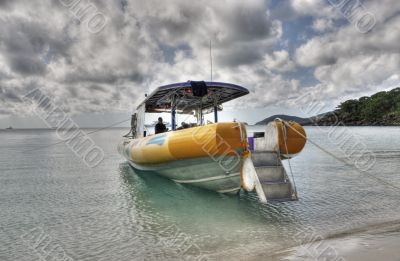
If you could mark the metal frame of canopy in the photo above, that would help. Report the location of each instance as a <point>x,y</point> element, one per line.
<point>180,98</point>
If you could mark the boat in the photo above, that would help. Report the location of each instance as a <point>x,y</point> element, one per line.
<point>217,156</point>
<point>9,128</point>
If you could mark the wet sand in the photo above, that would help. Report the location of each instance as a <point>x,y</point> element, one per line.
<point>376,242</point>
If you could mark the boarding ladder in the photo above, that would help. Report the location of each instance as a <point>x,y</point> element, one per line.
<point>271,173</point>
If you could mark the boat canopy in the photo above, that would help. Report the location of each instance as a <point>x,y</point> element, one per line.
<point>192,95</point>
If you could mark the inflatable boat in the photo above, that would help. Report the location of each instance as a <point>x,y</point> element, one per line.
<point>217,156</point>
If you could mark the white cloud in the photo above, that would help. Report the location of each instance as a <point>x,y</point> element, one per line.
<point>279,61</point>
<point>315,8</point>
<point>45,44</point>
<point>322,25</point>
<point>149,43</point>
<point>349,61</point>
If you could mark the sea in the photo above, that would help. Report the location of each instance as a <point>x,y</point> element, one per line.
<point>53,206</point>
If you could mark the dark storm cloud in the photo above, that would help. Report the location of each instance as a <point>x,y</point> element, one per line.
<point>238,55</point>
<point>99,88</point>
<point>26,65</point>
<point>144,42</point>
<point>72,92</point>
<point>25,44</point>
<point>90,76</point>
<point>108,77</point>
<point>174,27</point>
<point>5,112</point>
<point>9,95</point>
<point>6,3</point>
<point>249,36</point>
<point>241,32</point>
<point>249,24</point>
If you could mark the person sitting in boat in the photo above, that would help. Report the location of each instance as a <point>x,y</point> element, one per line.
<point>160,126</point>
<point>184,125</point>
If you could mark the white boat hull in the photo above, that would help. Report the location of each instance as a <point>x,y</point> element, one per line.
<point>204,173</point>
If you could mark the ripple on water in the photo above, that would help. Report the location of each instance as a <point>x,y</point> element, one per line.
<point>110,212</point>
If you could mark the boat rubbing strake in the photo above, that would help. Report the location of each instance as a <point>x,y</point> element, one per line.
<point>216,156</point>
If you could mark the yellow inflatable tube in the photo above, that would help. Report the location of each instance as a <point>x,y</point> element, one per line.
<point>291,137</point>
<point>210,140</point>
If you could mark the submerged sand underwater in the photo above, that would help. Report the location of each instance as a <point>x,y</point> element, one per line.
<point>110,212</point>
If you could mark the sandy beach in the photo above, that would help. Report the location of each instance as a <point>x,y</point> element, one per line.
<point>371,243</point>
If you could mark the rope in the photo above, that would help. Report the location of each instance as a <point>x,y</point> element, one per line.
<point>288,158</point>
<point>384,182</point>
<point>88,133</point>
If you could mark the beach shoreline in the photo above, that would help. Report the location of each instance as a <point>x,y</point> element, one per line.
<point>370,243</point>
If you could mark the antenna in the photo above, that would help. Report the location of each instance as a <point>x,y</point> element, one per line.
<point>211,62</point>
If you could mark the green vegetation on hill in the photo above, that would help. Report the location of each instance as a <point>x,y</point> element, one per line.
<point>382,108</point>
<point>302,121</point>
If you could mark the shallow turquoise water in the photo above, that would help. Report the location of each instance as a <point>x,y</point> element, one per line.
<point>110,212</point>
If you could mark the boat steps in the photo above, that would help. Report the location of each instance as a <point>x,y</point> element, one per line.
<point>270,174</point>
<point>273,177</point>
<point>265,158</point>
<point>277,190</point>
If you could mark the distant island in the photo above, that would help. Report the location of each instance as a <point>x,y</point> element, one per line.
<point>302,121</point>
<point>380,109</point>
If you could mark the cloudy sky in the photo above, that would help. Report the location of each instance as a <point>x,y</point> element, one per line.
<point>97,59</point>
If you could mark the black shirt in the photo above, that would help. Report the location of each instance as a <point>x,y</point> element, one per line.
<point>160,128</point>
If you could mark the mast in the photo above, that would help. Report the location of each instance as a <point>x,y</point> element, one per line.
<point>211,63</point>
<point>211,79</point>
